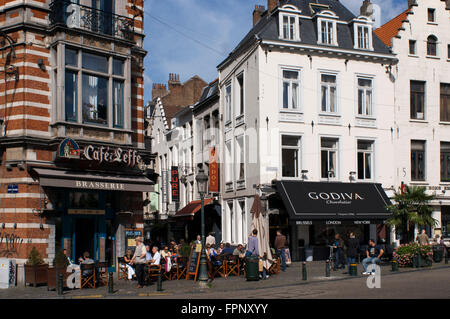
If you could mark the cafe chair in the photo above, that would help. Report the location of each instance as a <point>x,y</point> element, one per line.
<point>181,267</point>
<point>102,273</point>
<point>153,272</point>
<point>232,265</point>
<point>275,268</point>
<point>87,279</point>
<point>219,268</point>
<point>165,275</point>
<point>122,272</point>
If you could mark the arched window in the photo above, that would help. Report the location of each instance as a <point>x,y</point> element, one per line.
<point>432,45</point>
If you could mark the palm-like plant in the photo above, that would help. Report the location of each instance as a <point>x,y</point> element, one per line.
<point>411,208</point>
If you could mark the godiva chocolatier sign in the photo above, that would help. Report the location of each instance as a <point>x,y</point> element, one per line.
<point>100,154</point>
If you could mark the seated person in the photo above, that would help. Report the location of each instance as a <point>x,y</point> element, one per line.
<point>130,268</point>
<point>239,251</point>
<point>166,256</point>
<point>221,247</point>
<point>86,261</point>
<point>212,255</point>
<point>374,253</point>
<point>68,258</point>
<point>227,249</point>
<point>148,254</point>
<point>165,252</point>
<point>156,257</point>
<point>174,254</point>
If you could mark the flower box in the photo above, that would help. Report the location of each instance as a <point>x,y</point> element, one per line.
<point>36,274</point>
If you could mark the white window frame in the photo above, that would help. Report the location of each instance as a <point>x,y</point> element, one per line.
<point>238,151</point>
<point>372,164</point>
<point>365,90</point>
<point>300,157</point>
<point>328,104</point>
<point>333,31</point>
<point>240,100</point>
<point>291,82</point>
<point>364,23</point>
<point>295,28</point>
<point>242,218</point>
<point>336,149</point>
<point>228,103</point>
<point>228,162</point>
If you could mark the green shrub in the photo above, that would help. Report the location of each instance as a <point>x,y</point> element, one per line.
<point>60,260</point>
<point>404,254</point>
<point>35,258</point>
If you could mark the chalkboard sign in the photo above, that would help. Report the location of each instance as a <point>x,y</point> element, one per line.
<point>194,261</point>
<point>130,238</point>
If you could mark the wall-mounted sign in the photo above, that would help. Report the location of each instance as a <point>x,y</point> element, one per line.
<point>213,171</point>
<point>85,212</point>
<point>165,186</point>
<point>13,189</point>
<point>102,154</point>
<point>175,184</point>
<point>69,149</point>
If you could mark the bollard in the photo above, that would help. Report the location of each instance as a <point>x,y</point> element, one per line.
<point>394,265</point>
<point>327,269</point>
<point>159,282</point>
<point>353,271</point>
<point>110,283</point>
<point>304,274</point>
<point>60,284</point>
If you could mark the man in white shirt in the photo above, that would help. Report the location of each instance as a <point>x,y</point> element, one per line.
<point>156,256</point>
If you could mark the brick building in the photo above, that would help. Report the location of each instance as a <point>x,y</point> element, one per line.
<point>72,143</point>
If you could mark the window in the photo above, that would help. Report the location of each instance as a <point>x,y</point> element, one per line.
<point>228,104</point>
<point>431,15</point>
<point>417,160</point>
<point>240,158</point>
<point>327,32</point>
<point>290,156</point>
<point>228,162</point>
<point>291,86</point>
<point>329,149</point>
<point>243,225</point>
<point>365,160</point>
<point>417,100</point>
<point>363,37</point>
<point>432,46</point>
<point>240,104</point>
<point>328,92</point>
<point>232,220</point>
<point>290,27</point>
<point>207,130</point>
<point>365,93</point>
<point>102,89</point>
<point>445,102</point>
<point>445,162</point>
<point>448,51</point>
<point>412,47</point>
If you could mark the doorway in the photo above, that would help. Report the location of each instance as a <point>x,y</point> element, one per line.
<point>84,234</point>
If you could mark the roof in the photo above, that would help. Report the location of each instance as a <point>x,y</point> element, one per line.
<point>390,29</point>
<point>210,93</point>
<point>193,207</point>
<point>267,28</point>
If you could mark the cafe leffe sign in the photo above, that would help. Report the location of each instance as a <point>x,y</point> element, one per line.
<point>100,154</point>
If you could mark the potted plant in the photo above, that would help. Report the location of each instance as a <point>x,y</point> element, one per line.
<point>60,263</point>
<point>35,269</point>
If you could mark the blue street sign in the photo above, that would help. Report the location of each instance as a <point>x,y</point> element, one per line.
<point>13,189</point>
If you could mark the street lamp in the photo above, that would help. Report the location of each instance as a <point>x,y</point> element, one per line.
<point>202,184</point>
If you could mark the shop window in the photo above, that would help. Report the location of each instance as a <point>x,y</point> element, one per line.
<point>329,157</point>
<point>417,160</point>
<point>445,162</point>
<point>84,200</point>
<point>328,93</point>
<point>291,87</point>
<point>365,160</point>
<point>290,156</point>
<point>365,95</point>
<point>445,102</point>
<point>417,90</point>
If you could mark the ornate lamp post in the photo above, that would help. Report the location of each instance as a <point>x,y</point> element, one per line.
<point>202,184</point>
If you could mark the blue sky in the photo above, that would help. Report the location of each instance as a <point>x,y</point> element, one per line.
<point>191,37</point>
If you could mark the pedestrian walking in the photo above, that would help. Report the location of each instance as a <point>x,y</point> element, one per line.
<point>338,245</point>
<point>423,238</point>
<point>352,250</point>
<point>139,260</point>
<point>280,246</point>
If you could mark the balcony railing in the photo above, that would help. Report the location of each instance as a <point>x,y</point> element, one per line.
<point>76,16</point>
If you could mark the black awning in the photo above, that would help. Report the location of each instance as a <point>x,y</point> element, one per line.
<point>309,202</point>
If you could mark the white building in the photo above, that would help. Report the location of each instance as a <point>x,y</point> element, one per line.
<point>308,93</point>
<point>420,38</point>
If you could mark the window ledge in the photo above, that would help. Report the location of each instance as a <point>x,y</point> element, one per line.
<point>240,184</point>
<point>91,126</point>
<point>294,111</point>
<point>432,57</point>
<point>432,23</point>
<point>444,123</point>
<point>413,56</point>
<point>418,121</point>
<point>419,183</point>
<point>366,117</point>
<point>330,114</point>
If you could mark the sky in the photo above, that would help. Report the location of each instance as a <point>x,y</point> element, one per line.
<point>191,37</point>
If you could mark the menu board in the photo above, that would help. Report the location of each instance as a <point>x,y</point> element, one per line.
<point>194,261</point>
<point>130,238</point>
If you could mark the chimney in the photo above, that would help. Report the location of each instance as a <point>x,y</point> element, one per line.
<point>174,80</point>
<point>367,9</point>
<point>412,3</point>
<point>271,5</point>
<point>257,13</point>
<point>158,90</point>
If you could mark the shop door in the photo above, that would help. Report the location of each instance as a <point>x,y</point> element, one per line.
<point>85,237</point>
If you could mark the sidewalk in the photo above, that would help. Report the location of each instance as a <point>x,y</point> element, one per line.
<point>179,288</point>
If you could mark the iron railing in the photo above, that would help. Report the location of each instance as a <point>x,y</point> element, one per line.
<point>77,16</point>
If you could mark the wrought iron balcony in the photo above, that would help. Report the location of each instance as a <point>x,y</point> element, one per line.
<point>77,16</point>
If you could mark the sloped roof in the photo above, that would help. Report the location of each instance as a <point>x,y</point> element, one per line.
<point>390,29</point>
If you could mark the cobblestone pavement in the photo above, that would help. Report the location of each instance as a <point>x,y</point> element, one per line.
<point>287,284</point>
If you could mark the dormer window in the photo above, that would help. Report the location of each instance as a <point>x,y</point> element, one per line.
<point>289,23</point>
<point>363,33</point>
<point>326,28</point>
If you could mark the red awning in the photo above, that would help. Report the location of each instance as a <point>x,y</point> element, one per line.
<point>191,208</point>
